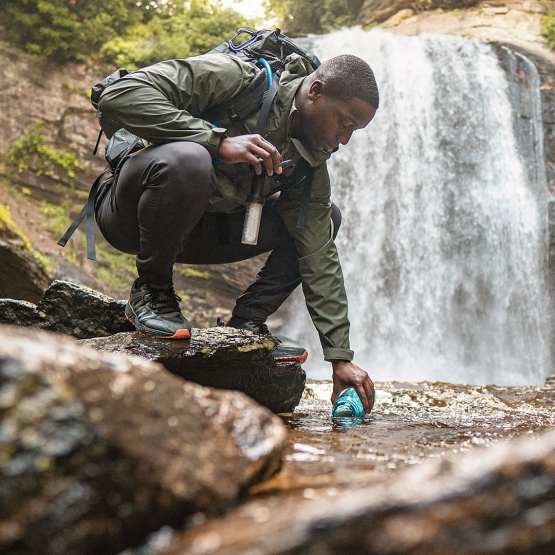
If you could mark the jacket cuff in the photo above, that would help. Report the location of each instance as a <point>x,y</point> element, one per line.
<point>213,142</point>
<point>335,353</point>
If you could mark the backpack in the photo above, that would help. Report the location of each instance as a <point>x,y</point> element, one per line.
<point>265,48</point>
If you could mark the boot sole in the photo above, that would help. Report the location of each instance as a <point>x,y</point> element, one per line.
<point>299,357</point>
<point>145,330</point>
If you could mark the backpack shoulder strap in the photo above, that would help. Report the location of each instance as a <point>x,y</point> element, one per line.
<point>266,105</point>
<point>86,212</point>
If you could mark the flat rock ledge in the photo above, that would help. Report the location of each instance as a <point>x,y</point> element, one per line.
<point>224,358</point>
<point>97,450</point>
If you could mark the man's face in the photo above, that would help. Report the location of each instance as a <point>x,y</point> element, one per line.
<point>327,121</point>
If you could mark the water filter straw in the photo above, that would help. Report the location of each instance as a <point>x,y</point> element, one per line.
<point>255,202</point>
<point>252,223</point>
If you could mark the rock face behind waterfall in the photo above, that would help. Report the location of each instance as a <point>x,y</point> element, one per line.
<point>96,450</point>
<point>224,358</point>
<point>377,11</point>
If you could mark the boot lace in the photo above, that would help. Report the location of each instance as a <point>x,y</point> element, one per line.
<point>163,301</point>
<point>261,327</point>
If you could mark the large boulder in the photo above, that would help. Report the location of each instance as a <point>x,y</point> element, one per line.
<point>97,450</point>
<point>220,357</point>
<point>81,312</point>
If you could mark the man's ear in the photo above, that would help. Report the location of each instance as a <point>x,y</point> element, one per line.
<point>316,90</point>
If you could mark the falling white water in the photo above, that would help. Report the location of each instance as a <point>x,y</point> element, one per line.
<point>444,238</point>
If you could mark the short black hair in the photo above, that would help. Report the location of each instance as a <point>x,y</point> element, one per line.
<point>347,76</point>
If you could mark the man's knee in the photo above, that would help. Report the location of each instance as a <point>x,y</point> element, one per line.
<point>188,161</point>
<point>181,166</point>
<point>336,219</point>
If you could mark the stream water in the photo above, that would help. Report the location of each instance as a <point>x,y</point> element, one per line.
<point>326,459</point>
<point>444,235</point>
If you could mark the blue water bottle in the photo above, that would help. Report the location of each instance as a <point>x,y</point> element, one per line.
<point>348,405</point>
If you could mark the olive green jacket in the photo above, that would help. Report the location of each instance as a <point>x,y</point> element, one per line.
<point>164,103</point>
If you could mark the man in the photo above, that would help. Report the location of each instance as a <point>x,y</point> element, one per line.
<point>182,198</point>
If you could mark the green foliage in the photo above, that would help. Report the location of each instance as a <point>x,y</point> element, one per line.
<point>194,28</point>
<point>62,30</point>
<point>548,26</point>
<point>115,268</point>
<point>127,33</point>
<point>188,272</point>
<point>307,16</point>
<point>31,152</point>
<point>55,217</point>
<point>81,91</point>
<point>337,14</point>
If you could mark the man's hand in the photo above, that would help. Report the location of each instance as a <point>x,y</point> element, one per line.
<point>252,149</point>
<point>345,375</point>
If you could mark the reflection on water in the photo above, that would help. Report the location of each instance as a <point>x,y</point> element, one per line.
<point>343,422</point>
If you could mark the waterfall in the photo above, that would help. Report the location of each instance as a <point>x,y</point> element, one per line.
<point>444,238</point>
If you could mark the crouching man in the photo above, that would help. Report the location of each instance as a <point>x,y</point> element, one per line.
<point>182,199</point>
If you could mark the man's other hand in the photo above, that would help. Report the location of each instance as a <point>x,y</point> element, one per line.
<point>252,149</point>
<point>347,374</point>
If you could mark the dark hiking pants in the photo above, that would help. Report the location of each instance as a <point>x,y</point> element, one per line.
<point>159,214</point>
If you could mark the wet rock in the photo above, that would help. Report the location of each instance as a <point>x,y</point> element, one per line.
<point>81,312</point>
<point>491,501</point>
<point>70,309</point>
<point>225,358</point>
<point>97,450</point>
<point>22,274</point>
<point>20,313</point>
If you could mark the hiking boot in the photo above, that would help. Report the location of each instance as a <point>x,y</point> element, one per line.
<point>256,325</point>
<point>156,312</point>
<point>282,353</point>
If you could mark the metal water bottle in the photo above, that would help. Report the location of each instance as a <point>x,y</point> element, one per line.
<point>348,405</point>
